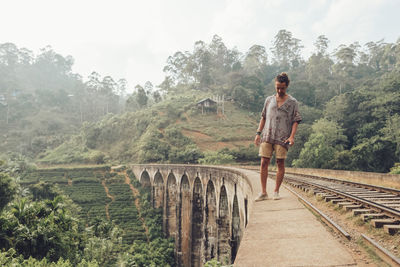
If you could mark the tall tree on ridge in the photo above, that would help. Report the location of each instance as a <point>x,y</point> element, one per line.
<point>286,50</point>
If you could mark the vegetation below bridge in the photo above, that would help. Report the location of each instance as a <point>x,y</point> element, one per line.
<point>58,216</point>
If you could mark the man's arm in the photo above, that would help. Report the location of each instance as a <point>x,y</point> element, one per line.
<point>257,139</point>
<point>293,133</point>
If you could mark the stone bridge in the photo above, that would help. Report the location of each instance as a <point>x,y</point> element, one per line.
<point>205,208</point>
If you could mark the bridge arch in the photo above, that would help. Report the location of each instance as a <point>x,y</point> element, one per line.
<point>145,179</point>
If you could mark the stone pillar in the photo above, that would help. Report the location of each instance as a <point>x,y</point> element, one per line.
<point>197,224</point>
<point>171,201</point>
<point>235,237</point>
<point>210,223</point>
<point>184,240</point>
<point>224,248</point>
<point>158,188</point>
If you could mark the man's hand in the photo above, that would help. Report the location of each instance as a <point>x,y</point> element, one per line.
<point>290,141</point>
<point>257,140</point>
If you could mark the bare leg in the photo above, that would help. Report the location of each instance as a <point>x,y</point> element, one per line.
<point>280,173</point>
<point>264,173</point>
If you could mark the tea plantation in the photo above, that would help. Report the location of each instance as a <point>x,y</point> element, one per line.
<point>84,187</point>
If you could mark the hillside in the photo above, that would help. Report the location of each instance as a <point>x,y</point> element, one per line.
<point>174,130</point>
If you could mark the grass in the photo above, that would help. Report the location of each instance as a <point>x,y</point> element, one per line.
<point>310,193</point>
<point>211,128</point>
<point>371,253</point>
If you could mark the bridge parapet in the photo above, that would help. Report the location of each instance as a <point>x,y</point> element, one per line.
<point>205,208</point>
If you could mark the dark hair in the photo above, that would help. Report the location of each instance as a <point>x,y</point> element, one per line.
<point>283,78</point>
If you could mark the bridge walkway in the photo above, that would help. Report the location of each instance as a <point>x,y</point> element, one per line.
<point>284,233</point>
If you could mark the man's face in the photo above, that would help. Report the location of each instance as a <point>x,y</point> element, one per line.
<point>280,88</point>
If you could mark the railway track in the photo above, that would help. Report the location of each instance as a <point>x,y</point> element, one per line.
<point>380,205</point>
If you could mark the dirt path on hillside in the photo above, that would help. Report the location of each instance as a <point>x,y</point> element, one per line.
<point>187,117</point>
<point>136,195</point>
<point>109,196</point>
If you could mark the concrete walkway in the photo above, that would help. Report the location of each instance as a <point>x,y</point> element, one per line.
<point>284,233</point>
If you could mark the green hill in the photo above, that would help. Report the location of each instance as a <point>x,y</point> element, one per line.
<point>174,130</point>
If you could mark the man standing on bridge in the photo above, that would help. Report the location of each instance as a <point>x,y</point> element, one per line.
<point>276,131</point>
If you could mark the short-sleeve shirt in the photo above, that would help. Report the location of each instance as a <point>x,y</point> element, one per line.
<point>279,121</point>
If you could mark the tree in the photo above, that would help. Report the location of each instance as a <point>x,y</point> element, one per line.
<point>316,153</point>
<point>156,96</point>
<point>176,68</point>
<point>255,61</point>
<point>375,154</point>
<point>321,45</point>
<point>249,93</point>
<point>326,140</point>
<point>93,84</point>
<point>304,92</point>
<point>9,55</point>
<point>108,92</point>
<point>286,50</point>
<point>7,189</point>
<point>302,136</point>
<point>148,87</point>
<point>345,67</point>
<point>121,87</point>
<point>391,132</point>
<point>142,97</point>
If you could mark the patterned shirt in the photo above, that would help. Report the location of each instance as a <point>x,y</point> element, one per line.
<point>279,121</point>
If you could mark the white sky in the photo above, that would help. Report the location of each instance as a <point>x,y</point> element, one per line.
<point>132,39</point>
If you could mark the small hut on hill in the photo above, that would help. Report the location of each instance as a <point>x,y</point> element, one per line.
<point>206,104</point>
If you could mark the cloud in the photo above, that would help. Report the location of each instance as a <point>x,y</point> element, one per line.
<point>348,21</point>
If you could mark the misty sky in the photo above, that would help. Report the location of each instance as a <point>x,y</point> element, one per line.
<point>132,39</point>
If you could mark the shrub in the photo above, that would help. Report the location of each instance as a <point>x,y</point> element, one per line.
<point>395,169</point>
<point>98,157</point>
<point>187,154</point>
<point>216,158</point>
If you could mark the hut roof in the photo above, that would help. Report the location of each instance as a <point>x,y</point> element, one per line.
<point>205,99</point>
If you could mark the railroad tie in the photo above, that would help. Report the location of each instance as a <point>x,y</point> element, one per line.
<point>345,203</point>
<point>361,211</point>
<point>391,229</point>
<point>370,216</point>
<point>379,223</point>
<point>336,201</point>
<point>352,207</point>
<point>324,195</point>
<point>329,198</point>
